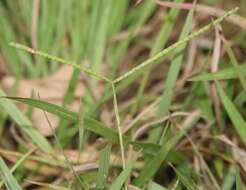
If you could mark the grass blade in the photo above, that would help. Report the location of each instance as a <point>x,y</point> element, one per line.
<point>172,75</point>
<point>25,124</point>
<point>103,167</point>
<point>19,162</point>
<point>174,46</point>
<point>89,123</point>
<point>175,67</point>
<point>185,181</point>
<point>8,178</point>
<point>81,128</point>
<point>60,60</point>
<point>47,185</point>
<point>225,74</point>
<point>118,126</point>
<point>159,44</point>
<point>229,179</point>
<point>236,118</point>
<point>154,164</point>
<point>120,180</point>
<point>235,64</point>
<point>98,33</point>
<point>154,186</point>
<point>239,184</point>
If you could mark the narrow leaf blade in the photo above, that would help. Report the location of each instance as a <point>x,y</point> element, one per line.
<point>236,118</point>
<point>9,179</point>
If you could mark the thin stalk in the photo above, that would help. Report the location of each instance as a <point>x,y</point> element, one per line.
<point>118,126</point>
<point>60,60</point>
<point>174,46</point>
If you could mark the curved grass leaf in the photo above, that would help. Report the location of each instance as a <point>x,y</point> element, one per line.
<point>89,123</point>
<point>236,118</point>
<point>25,124</point>
<point>225,74</point>
<point>120,180</point>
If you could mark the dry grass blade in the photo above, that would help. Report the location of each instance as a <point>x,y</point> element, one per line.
<point>212,11</point>
<point>47,185</point>
<point>214,68</point>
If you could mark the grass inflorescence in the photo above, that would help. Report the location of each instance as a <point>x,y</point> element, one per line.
<point>150,115</point>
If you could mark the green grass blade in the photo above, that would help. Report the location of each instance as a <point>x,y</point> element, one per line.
<point>19,162</point>
<point>140,13</point>
<point>78,27</point>
<point>175,67</point>
<point>229,179</point>
<point>239,183</point>
<point>165,30</point>
<point>8,178</point>
<point>235,64</point>
<point>52,108</point>
<point>78,178</point>
<point>103,167</point>
<point>89,123</point>
<point>81,128</point>
<point>121,179</point>
<point>172,75</point>
<point>185,181</point>
<point>236,118</point>
<point>174,46</point>
<point>98,32</point>
<point>154,164</point>
<point>68,98</point>
<point>154,186</point>
<point>225,74</point>
<point>25,124</point>
<point>159,44</point>
<point>7,33</point>
<point>117,16</point>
